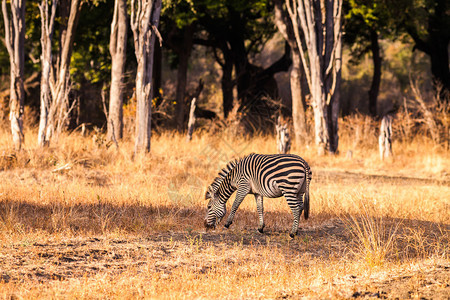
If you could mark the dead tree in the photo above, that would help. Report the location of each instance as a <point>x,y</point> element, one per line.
<point>144,24</point>
<point>317,30</point>
<point>191,122</point>
<point>14,42</point>
<point>183,49</point>
<point>117,48</point>
<point>384,139</point>
<point>47,29</point>
<point>283,138</point>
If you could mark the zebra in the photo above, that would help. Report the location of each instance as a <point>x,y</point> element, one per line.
<point>270,176</point>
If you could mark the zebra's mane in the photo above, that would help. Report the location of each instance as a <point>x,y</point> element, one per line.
<point>224,172</point>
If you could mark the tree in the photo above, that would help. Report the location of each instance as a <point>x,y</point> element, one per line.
<point>117,48</point>
<point>236,30</point>
<point>56,108</point>
<point>47,29</point>
<point>144,23</point>
<point>317,28</point>
<point>285,26</point>
<point>14,42</point>
<point>366,22</point>
<point>179,18</point>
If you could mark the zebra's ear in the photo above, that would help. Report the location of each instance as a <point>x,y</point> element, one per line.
<point>209,193</point>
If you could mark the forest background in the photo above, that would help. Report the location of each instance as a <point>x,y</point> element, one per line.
<point>234,51</point>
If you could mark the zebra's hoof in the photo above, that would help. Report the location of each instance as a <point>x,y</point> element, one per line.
<point>291,235</point>
<point>261,230</point>
<point>227,225</point>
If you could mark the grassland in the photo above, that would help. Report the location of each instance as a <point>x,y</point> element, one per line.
<point>83,220</point>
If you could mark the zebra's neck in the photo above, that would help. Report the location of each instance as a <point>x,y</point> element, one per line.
<point>226,188</point>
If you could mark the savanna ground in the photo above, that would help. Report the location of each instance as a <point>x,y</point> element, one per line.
<point>83,220</point>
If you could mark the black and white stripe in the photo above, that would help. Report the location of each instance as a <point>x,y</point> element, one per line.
<point>268,176</point>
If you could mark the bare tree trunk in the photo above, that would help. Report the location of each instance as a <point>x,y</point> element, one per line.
<point>157,73</point>
<point>191,122</point>
<point>335,98</point>
<point>227,86</point>
<point>144,23</point>
<point>317,26</point>
<point>376,79</point>
<point>184,52</point>
<point>117,48</point>
<point>60,82</point>
<point>283,138</point>
<point>14,42</point>
<point>385,137</point>
<point>285,26</point>
<point>298,99</point>
<point>47,29</point>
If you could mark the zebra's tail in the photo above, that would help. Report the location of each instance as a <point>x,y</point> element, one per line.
<point>306,203</point>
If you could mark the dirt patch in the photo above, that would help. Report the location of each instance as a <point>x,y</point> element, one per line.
<point>79,257</point>
<point>165,253</point>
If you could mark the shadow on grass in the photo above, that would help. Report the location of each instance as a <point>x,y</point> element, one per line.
<point>321,236</point>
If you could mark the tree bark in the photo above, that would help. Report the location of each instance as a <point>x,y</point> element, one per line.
<point>191,122</point>
<point>47,29</point>
<point>117,48</point>
<point>14,42</point>
<point>317,27</point>
<point>376,79</point>
<point>184,52</point>
<point>285,26</point>
<point>60,83</point>
<point>236,42</point>
<point>144,23</point>
<point>283,138</point>
<point>298,99</point>
<point>227,86</point>
<point>157,74</point>
<point>385,137</point>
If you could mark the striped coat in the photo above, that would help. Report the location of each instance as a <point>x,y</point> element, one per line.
<point>268,176</point>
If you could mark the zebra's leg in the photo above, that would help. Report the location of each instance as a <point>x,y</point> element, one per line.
<point>240,195</point>
<point>296,205</point>
<point>260,209</point>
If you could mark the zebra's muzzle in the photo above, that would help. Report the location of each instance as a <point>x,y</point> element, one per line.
<point>209,226</point>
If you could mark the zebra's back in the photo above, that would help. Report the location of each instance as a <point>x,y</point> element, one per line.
<point>275,174</point>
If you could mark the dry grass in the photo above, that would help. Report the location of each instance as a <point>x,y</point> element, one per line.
<point>80,220</point>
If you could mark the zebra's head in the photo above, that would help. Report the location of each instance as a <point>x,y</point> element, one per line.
<point>215,211</point>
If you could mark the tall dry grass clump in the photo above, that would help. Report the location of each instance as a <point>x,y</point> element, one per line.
<point>375,238</point>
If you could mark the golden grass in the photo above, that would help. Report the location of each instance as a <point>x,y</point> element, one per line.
<point>80,220</point>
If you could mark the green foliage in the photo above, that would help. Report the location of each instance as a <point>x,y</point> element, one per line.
<point>32,37</point>
<point>361,17</point>
<point>181,12</point>
<point>91,60</point>
<point>4,57</point>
